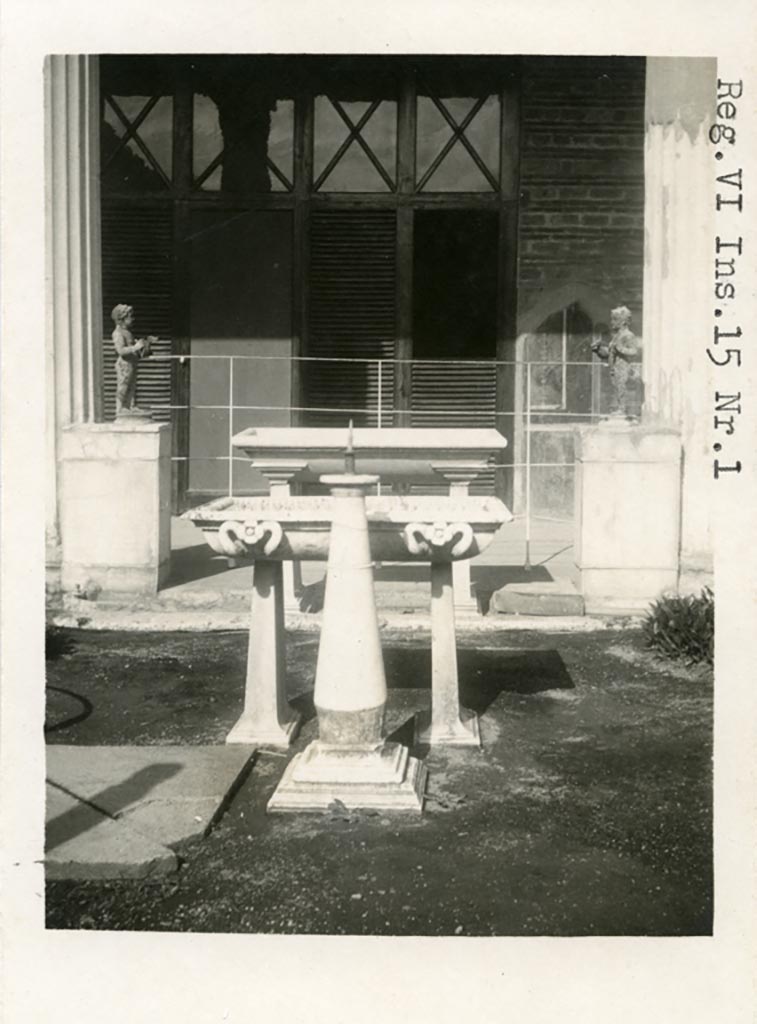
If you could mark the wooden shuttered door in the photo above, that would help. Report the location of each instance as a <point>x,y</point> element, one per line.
<point>454,394</point>
<point>454,319</point>
<point>352,316</point>
<point>137,259</point>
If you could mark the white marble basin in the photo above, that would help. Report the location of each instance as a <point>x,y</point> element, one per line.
<point>408,454</point>
<point>401,528</point>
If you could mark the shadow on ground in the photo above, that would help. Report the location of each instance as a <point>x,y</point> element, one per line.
<point>194,563</point>
<point>483,675</point>
<point>58,642</point>
<point>110,801</point>
<point>487,579</point>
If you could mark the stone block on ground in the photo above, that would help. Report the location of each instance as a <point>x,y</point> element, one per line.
<point>168,793</point>
<point>542,597</point>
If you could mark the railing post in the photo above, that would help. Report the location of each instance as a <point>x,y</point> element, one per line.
<point>564,394</point>
<point>231,425</point>
<point>527,562</point>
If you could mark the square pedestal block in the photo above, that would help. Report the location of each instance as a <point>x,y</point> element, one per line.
<point>628,494</point>
<point>384,779</point>
<point>115,506</point>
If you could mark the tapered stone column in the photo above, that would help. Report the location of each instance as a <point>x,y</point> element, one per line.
<point>351,761</point>
<point>680,169</point>
<point>74,332</point>
<point>350,687</point>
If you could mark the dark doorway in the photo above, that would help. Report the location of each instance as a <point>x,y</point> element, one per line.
<point>455,320</point>
<point>455,284</point>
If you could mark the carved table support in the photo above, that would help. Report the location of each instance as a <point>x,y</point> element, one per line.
<point>267,718</point>
<point>460,476</point>
<point>446,724</point>
<point>279,477</point>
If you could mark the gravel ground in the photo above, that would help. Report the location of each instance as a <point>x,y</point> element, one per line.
<point>588,811</point>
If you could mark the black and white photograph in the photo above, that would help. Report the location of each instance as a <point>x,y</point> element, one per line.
<point>392,429</point>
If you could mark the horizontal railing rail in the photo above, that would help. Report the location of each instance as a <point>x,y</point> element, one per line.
<point>536,413</point>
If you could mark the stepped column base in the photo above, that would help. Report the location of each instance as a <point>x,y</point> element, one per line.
<point>362,777</point>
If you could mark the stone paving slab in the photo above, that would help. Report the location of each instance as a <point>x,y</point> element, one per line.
<point>166,793</point>
<point>83,843</point>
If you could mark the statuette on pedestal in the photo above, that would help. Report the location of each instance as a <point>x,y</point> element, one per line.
<point>129,351</point>
<point>622,352</point>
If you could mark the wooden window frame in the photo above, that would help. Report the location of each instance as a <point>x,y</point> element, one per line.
<point>405,199</point>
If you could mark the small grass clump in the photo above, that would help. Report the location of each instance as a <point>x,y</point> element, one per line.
<point>683,627</point>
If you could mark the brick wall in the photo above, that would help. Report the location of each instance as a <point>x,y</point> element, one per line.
<point>582,170</point>
<point>581,232</point>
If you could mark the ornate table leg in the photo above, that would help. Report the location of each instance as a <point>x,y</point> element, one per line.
<point>267,718</point>
<point>460,476</point>
<point>447,723</point>
<point>279,476</point>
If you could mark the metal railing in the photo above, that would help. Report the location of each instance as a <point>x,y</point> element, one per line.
<point>531,415</point>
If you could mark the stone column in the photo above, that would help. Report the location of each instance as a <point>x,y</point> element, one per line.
<point>351,761</point>
<point>74,332</point>
<point>279,475</point>
<point>679,229</point>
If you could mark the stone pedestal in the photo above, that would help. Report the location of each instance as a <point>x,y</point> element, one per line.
<point>267,718</point>
<point>115,506</point>
<point>350,762</point>
<point>382,777</point>
<point>446,723</point>
<point>628,487</point>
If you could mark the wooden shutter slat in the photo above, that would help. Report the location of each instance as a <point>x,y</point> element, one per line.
<point>352,314</point>
<point>137,248</point>
<point>456,394</point>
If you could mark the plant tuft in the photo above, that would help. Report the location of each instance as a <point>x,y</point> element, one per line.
<point>682,627</point>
